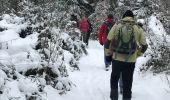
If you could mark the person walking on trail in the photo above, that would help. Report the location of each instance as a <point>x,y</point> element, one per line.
<point>84,28</point>
<point>104,30</point>
<point>125,42</point>
<point>90,29</point>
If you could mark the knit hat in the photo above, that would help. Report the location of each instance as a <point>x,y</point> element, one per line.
<point>128,13</point>
<point>110,16</point>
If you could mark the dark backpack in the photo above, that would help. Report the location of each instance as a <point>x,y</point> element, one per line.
<point>109,25</point>
<point>124,41</point>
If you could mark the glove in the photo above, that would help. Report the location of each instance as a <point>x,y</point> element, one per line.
<point>108,58</point>
<point>144,48</point>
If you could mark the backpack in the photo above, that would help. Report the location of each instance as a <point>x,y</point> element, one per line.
<point>124,41</point>
<point>109,25</point>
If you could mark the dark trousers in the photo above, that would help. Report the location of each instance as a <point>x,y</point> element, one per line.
<point>127,70</point>
<point>105,61</point>
<point>87,40</point>
<point>84,38</point>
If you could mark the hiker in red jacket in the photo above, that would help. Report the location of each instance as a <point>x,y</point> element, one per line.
<point>104,30</point>
<point>84,28</point>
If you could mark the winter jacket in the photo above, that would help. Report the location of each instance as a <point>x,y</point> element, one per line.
<point>140,39</point>
<point>102,33</point>
<point>84,25</point>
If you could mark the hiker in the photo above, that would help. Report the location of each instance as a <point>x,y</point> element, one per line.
<point>125,42</point>
<point>104,30</point>
<point>84,28</point>
<point>90,29</point>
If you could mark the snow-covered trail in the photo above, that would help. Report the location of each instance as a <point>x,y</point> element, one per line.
<point>93,82</point>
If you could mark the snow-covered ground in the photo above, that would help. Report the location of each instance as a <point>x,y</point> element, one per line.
<point>93,82</point>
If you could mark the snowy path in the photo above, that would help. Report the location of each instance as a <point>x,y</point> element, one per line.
<point>93,82</point>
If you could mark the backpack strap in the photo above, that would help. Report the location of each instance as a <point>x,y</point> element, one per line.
<point>132,36</point>
<point>107,26</point>
<point>119,31</point>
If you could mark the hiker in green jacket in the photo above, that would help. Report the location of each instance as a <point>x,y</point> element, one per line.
<point>125,42</point>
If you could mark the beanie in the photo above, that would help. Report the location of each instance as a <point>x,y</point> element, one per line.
<point>110,16</point>
<point>128,13</point>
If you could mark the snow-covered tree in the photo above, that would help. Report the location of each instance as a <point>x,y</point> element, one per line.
<point>50,21</point>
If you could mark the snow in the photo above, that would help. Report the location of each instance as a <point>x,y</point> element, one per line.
<point>156,26</point>
<point>92,82</point>
<point>85,1</point>
<point>2,79</point>
<point>18,48</point>
<point>12,92</point>
<point>141,21</point>
<point>140,1</point>
<point>158,30</point>
<point>26,86</point>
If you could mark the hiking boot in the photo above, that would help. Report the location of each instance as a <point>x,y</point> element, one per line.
<point>126,98</point>
<point>107,67</point>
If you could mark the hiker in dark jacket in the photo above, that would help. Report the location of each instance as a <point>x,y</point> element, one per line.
<point>124,55</point>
